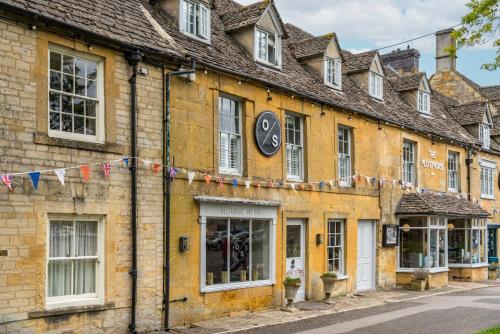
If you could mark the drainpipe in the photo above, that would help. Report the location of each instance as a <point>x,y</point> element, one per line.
<point>468,162</point>
<point>167,183</point>
<point>133,58</point>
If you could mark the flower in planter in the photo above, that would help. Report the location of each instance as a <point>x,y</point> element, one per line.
<point>421,274</point>
<point>294,276</point>
<point>330,274</point>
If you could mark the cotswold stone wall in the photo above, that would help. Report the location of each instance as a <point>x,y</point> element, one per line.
<point>24,212</point>
<point>451,84</point>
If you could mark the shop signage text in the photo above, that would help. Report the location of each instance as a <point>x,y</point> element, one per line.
<point>432,164</point>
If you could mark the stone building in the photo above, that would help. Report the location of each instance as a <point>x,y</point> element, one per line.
<point>288,154</point>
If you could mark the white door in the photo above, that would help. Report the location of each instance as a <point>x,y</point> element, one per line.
<point>366,256</point>
<point>295,251</point>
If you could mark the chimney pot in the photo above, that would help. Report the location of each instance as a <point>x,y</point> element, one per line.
<point>402,61</point>
<point>444,60</point>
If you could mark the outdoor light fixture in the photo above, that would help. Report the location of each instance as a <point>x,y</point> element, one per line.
<point>406,228</point>
<point>319,239</point>
<point>451,226</point>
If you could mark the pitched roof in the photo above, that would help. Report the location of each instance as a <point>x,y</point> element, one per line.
<point>492,93</point>
<point>358,62</point>
<point>469,113</point>
<point>438,204</point>
<point>312,46</point>
<point>406,82</point>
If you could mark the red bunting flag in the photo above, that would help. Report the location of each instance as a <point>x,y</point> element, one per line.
<point>106,168</point>
<point>207,178</point>
<point>156,168</point>
<point>85,170</point>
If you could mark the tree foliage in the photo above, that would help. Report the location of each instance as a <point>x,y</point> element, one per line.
<point>481,25</point>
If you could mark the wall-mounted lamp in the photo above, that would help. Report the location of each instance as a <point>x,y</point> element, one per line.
<point>349,118</point>
<point>406,228</point>
<point>269,97</point>
<point>319,239</point>
<point>183,244</point>
<point>322,113</point>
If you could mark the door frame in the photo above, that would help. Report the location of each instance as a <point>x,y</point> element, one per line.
<point>299,222</point>
<point>373,223</point>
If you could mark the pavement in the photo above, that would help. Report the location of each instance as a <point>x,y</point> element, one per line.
<point>461,307</point>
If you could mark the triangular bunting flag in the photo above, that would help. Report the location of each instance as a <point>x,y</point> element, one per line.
<point>7,179</point>
<point>125,161</point>
<point>173,173</point>
<point>258,185</point>
<point>35,177</point>
<point>156,168</point>
<point>85,170</point>
<point>321,185</point>
<point>191,176</point>
<point>292,185</point>
<point>60,175</point>
<point>207,178</point>
<point>147,163</point>
<point>247,184</point>
<point>269,184</point>
<point>332,183</point>
<point>106,168</point>
<point>235,183</point>
<point>220,180</point>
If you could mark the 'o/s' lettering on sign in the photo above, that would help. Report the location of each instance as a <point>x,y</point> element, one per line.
<point>268,133</point>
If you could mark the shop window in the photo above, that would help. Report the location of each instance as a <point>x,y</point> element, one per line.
<point>333,72</point>
<point>376,85</point>
<point>335,247</point>
<point>294,147</point>
<point>453,177</point>
<point>422,243</point>
<point>195,20</point>
<point>268,48</point>
<point>237,251</point>
<point>230,146</point>
<point>409,173</point>
<point>487,175</point>
<point>76,95</point>
<point>75,263</point>
<point>344,156</point>
<point>467,242</point>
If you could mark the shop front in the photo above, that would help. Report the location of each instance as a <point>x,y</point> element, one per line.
<point>445,235</point>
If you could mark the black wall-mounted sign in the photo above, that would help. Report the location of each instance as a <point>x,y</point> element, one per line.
<point>390,235</point>
<point>268,133</point>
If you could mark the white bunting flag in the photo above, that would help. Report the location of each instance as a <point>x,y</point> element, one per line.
<point>247,184</point>
<point>191,177</point>
<point>147,163</point>
<point>60,175</point>
<point>292,185</point>
<point>331,184</point>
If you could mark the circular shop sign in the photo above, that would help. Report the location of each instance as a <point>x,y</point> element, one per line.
<point>268,133</point>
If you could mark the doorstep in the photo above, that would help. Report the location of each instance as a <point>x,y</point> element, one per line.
<point>310,309</point>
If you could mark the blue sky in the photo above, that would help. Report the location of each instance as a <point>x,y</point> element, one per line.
<point>369,24</point>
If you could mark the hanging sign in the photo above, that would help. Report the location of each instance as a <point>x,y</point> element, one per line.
<point>268,133</point>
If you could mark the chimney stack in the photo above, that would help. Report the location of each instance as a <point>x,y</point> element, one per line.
<point>403,61</point>
<point>444,60</point>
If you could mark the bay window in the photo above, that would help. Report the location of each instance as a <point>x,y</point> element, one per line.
<point>422,243</point>
<point>453,177</point>
<point>376,85</point>
<point>487,176</point>
<point>294,147</point>
<point>268,47</point>
<point>333,72</point>
<point>195,19</point>
<point>335,246</point>
<point>409,173</point>
<point>467,243</point>
<point>230,146</point>
<point>75,263</point>
<point>344,156</point>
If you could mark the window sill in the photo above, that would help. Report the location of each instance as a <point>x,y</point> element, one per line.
<point>206,41</point>
<point>342,278</point>
<point>269,65</point>
<point>467,265</point>
<point>235,286</point>
<point>431,270</point>
<point>488,197</point>
<point>44,139</point>
<point>70,310</point>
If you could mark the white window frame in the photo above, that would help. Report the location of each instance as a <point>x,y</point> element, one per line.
<point>376,85</point>
<point>442,225</point>
<point>333,72</point>
<point>228,170</point>
<point>485,135</point>
<point>342,156</point>
<point>453,171</point>
<point>409,171</point>
<point>212,210</point>
<point>96,298</point>
<point>341,269</point>
<point>100,97</point>
<point>300,147</point>
<point>257,48</point>
<point>424,102</point>
<point>202,32</point>
<point>487,178</point>
<point>476,224</point>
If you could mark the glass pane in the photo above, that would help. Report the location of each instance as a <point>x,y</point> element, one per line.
<point>91,105</point>
<point>55,101</point>
<point>59,278</point>
<point>434,249</point>
<point>92,71</point>
<point>459,246</point>
<point>68,64</point>
<point>476,245</point>
<point>86,238</point>
<point>79,108</point>
<point>239,250</point>
<point>85,276</point>
<point>413,222</point>
<point>67,104</point>
<point>68,83</point>
<point>55,80</point>
<point>482,244</point>
<point>90,128</point>
<point>216,251</point>
<point>80,86</point>
<point>442,248</point>
<point>55,61</point>
<point>79,67</point>
<point>61,239</point>
<point>67,123</point>
<point>55,121</point>
<point>413,248</point>
<point>261,240</point>
<point>293,241</point>
<point>92,88</point>
<point>79,125</point>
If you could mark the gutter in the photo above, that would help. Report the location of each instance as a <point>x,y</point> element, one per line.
<point>133,59</point>
<point>167,191</point>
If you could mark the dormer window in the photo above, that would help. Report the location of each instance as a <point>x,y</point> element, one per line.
<point>333,72</point>
<point>484,135</point>
<point>376,85</point>
<point>424,102</point>
<point>195,20</point>
<point>268,48</point>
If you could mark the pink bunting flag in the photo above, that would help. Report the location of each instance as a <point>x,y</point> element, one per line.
<point>7,179</point>
<point>156,168</point>
<point>106,168</point>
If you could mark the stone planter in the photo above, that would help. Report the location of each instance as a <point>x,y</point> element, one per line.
<point>290,294</point>
<point>492,274</point>
<point>418,285</point>
<point>328,286</point>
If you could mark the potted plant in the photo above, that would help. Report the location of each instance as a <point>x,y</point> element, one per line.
<point>329,279</point>
<point>292,283</point>
<point>419,282</point>
<point>493,270</point>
